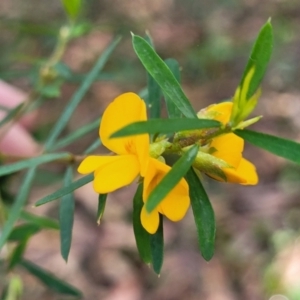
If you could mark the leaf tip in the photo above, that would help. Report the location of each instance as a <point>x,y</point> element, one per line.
<point>149,207</point>
<point>208,256</point>
<point>116,134</point>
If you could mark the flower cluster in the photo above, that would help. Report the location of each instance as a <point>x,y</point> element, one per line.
<point>133,160</point>
<point>229,148</point>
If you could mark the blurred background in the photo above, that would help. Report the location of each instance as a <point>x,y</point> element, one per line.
<point>257,252</point>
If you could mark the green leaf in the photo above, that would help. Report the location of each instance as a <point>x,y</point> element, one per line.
<point>203,215</point>
<point>157,247</point>
<point>154,126</point>
<point>72,7</point>
<point>50,280</point>
<point>170,180</point>
<point>16,208</point>
<point>162,75</point>
<point>66,190</point>
<point>101,207</point>
<point>247,94</point>
<point>79,94</point>
<point>24,231</point>
<point>32,162</point>
<point>76,135</point>
<point>17,253</point>
<point>259,58</point>
<point>66,217</point>
<point>174,67</point>
<point>153,99</point>
<point>173,111</point>
<point>11,114</point>
<point>142,237</point>
<point>42,222</point>
<point>282,147</point>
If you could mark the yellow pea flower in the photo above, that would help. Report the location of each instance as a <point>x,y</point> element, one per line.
<point>132,160</point>
<point>229,148</point>
<point>174,206</point>
<point>114,172</point>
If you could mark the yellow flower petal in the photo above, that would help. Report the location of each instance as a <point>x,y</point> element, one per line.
<point>244,174</point>
<point>93,162</point>
<point>116,173</point>
<point>175,205</point>
<point>125,109</point>
<point>150,180</point>
<point>224,111</point>
<point>142,144</point>
<point>150,221</point>
<point>229,147</point>
<point>177,202</point>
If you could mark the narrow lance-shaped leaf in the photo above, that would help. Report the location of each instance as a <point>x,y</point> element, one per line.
<point>203,215</point>
<point>162,75</point>
<point>282,147</point>
<point>259,58</point>
<point>22,231</point>
<point>65,190</point>
<point>142,237</point>
<point>79,94</point>
<point>21,234</point>
<point>101,207</point>
<point>49,279</point>
<point>66,217</point>
<point>172,178</point>
<point>154,97</point>
<point>248,92</point>
<point>154,93</point>
<point>42,222</point>
<point>173,111</point>
<point>153,126</point>
<point>11,114</point>
<point>157,247</point>
<point>76,135</point>
<point>17,253</point>
<point>17,207</point>
<point>32,162</point>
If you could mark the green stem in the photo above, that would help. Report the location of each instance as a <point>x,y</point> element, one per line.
<point>201,137</point>
<point>46,73</point>
<point>64,35</point>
